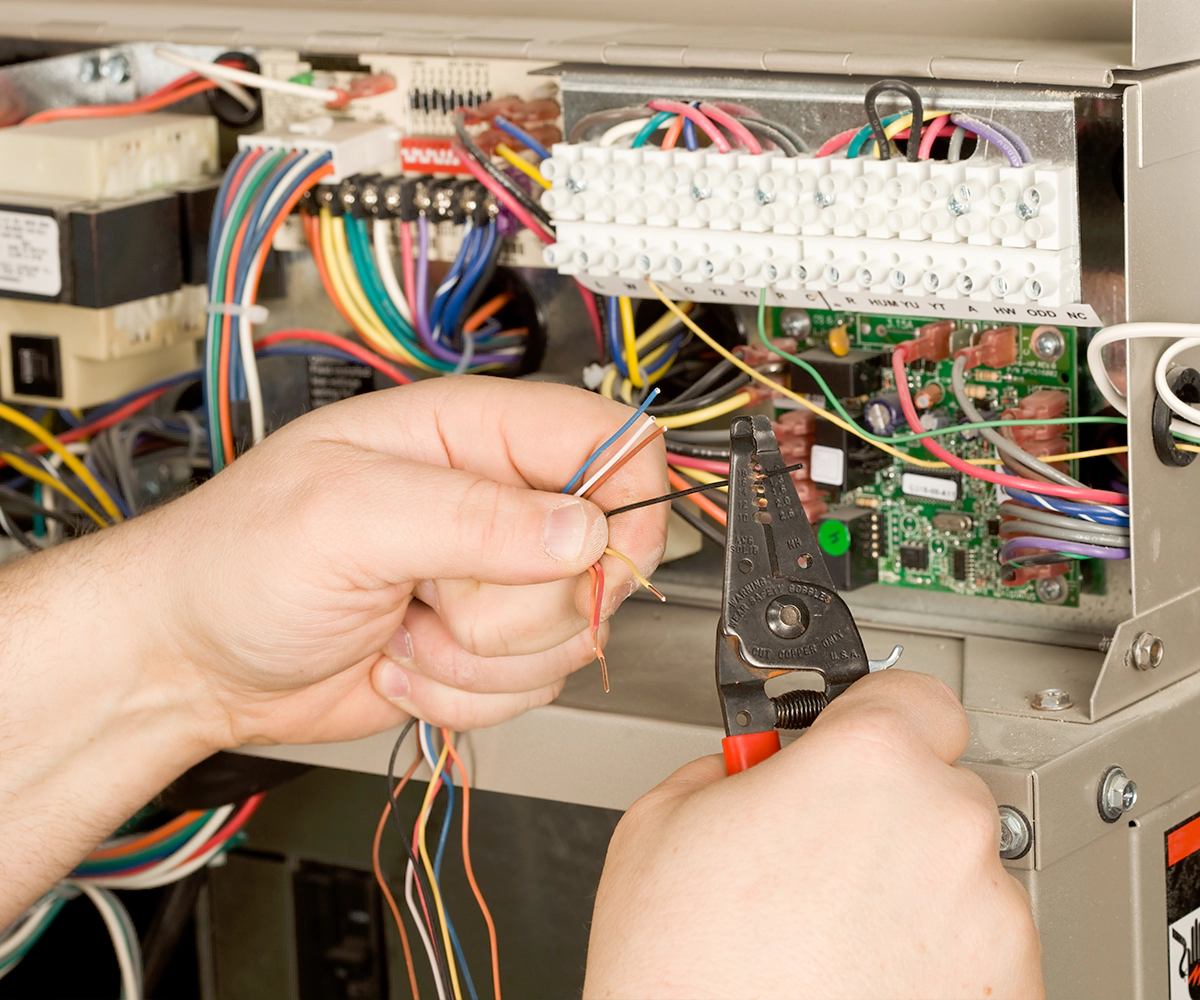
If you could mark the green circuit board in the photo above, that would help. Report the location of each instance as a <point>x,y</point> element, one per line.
<point>944,537</point>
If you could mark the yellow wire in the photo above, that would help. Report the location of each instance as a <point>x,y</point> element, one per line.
<point>523,165</point>
<point>39,475</point>
<point>660,326</point>
<point>707,413</point>
<point>18,419</point>
<point>820,411</point>
<point>426,806</point>
<point>702,476</point>
<point>637,575</point>
<point>367,324</point>
<point>631,358</point>
<point>900,124</point>
<point>610,376</point>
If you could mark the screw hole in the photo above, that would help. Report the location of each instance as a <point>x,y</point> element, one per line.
<point>762,517</point>
<point>1134,824</point>
<point>743,718</point>
<point>804,561</point>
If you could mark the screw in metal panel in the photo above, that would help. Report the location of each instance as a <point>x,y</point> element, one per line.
<point>1146,653</point>
<point>795,323</point>
<point>1016,835</point>
<point>1116,794</point>
<point>1106,644</point>
<point>1051,700</point>
<point>1052,590</point>
<point>116,69</point>
<point>89,69</point>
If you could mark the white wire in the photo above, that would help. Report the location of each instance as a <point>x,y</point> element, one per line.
<point>419,920</point>
<point>1177,405</point>
<point>215,71</point>
<point>239,94</point>
<point>258,428</point>
<point>128,952</point>
<point>28,926</point>
<point>648,426</point>
<point>1130,331</point>
<point>381,233</point>
<point>623,129</point>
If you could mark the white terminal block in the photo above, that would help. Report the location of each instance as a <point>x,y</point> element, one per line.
<point>356,147</point>
<point>724,225</point>
<point>93,158</point>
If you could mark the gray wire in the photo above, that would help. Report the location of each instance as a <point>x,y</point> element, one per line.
<point>954,154</point>
<point>700,437</point>
<point>15,533</point>
<point>1061,520</point>
<point>1066,534</point>
<point>1003,444</point>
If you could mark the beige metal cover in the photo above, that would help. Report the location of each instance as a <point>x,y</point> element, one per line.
<point>1069,42</point>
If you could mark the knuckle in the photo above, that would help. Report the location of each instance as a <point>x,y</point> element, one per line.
<point>878,731</point>
<point>481,521</point>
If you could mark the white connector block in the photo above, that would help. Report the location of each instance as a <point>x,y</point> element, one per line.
<point>92,158</point>
<point>355,147</point>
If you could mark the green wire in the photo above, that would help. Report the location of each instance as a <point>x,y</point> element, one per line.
<point>372,285</point>
<point>648,129</point>
<point>248,189</point>
<point>833,401</point>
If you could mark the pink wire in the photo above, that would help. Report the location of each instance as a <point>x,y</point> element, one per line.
<point>408,262</point>
<point>932,132</point>
<point>704,464</point>
<point>733,125</point>
<point>700,119</point>
<point>999,478</point>
<point>506,199</point>
<point>589,303</point>
<point>831,146</point>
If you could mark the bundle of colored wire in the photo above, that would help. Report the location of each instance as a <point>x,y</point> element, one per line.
<point>259,189</point>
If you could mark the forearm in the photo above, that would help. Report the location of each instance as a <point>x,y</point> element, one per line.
<point>99,712</point>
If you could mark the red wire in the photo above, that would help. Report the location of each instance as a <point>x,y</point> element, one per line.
<point>593,311</point>
<point>999,478</point>
<point>408,264</point>
<point>153,102</point>
<point>342,344</point>
<point>705,464</point>
<point>932,131</point>
<point>837,142</point>
<point>235,823</point>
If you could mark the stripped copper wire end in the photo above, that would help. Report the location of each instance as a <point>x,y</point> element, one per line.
<point>637,575</point>
<point>596,572</point>
<point>603,665</point>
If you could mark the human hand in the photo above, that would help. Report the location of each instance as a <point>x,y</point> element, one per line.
<point>288,581</point>
<point>857,862</point>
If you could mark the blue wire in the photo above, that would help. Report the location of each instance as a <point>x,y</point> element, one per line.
<point>689,131</point>
<point>472,275</point>
<point>518,133</point>
<point>613,324</point>
<point>1098,513</point>
<point>437,871</point>
<point>624,427</point>
<point>69,418</point>
<point>668,356</point>
<point>465,252</point>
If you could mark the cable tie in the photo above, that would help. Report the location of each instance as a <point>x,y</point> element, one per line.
<point>255,313</point>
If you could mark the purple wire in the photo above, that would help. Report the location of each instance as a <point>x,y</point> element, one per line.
<point>1055,545</point>
<point>422,278</point>
<point>1011,136</point>
<point>985,131</point>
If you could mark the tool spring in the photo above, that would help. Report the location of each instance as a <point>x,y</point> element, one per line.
<point>798,709</point>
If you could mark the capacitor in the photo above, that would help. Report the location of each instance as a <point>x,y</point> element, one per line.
<point>935,420</point>
<point>929,396</point>
<point>883,414</point>
<point>839,342</point>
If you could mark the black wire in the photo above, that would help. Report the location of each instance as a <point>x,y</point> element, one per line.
<point>696,489</point>
<point>15,533</point>
<point>787,131</point>
<point>714,494</point>
<point>697,522</point>
<point>497,175</point>
<point>699,402</point>
<point>918,119</point>
<point>713,453</point>
<point>418,872</point>
<point>762,130</point>
<point>714,375</point>
<point>24,506</point>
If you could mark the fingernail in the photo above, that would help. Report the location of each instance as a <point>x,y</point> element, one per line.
<point>393,681</point>
<point>400,647</point>
<point>565,531</point>
<point>426,592</point>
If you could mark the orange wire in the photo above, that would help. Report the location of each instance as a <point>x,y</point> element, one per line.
<point>466,849</point>
<point>146,840</point>
<point>312,234</point>
<point>387,892</point>
<point>152,102</point>
<point>673,131</point>
<point>486,311</point>
<point>624,461</point>
<point>699,499</point>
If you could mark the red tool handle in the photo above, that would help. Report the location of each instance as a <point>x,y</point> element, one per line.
<point>747,749</point>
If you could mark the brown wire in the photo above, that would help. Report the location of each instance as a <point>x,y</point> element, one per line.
<point>382,879</point>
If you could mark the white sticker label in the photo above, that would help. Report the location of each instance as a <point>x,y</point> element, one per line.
<point>827,465</point>
<point>29,261</point>
<point>928,487</point>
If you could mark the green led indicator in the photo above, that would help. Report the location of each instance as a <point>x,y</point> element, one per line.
<point>834,537</point>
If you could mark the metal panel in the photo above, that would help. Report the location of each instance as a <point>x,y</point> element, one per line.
<point>1165,32</point>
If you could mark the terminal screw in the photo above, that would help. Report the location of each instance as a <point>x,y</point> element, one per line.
<point>1016,836</point>
<point>1146,653</point>
<point>1116,794</point>
<point>89,70</point>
